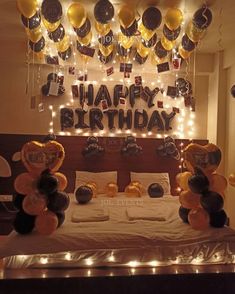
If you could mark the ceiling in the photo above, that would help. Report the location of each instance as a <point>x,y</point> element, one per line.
<point>220,34</point>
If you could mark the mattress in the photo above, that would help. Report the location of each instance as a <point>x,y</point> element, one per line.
<point>119,241</point>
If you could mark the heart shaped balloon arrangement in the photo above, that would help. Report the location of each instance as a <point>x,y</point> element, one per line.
<point>39,196</point>
<point>202,189</point>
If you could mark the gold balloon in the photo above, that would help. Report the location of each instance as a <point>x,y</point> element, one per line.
<point>34,35</point>
<point>77,15</point>
<point>27,7</point>
<point>34,204</point>
<point>63,182</point>
<point>46,222</point>
<point>38,56</point>
<point>231,179</point>
<point>85,58</point>
<point>173,18</point>
<point>194,33</point>
<point>156,60</point>
<point>145,33</point>
<point>218,183</point>
<point>132,191</point>
<point>183,53</point>
<point>126,42</point>
<point>64,44</point>
<point>106,51</point>
<point>182,180</point>
<point>51,27</point>
<point>199,219</point>
<point>126,16</point>
<point>25,184</point>
<point>86,40</point>
<point>111,190</point>
<point>93,187</point>
<point>189,200</point>
<point>142,50</point>
<point>102,29</point>
<point>166,44</point>
<point>138,185</point>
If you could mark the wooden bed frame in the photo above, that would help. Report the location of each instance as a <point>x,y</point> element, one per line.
<point>178,278</point>
<point>112,160</point>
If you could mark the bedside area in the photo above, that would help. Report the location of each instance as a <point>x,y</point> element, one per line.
<point>7,214</point>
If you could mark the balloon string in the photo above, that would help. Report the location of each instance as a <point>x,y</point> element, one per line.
<point>205,17</point>
<point>220,30</point>
<point>28,65</point>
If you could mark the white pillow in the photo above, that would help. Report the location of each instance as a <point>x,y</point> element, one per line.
<point>100,178</point>
<point>146,179</point>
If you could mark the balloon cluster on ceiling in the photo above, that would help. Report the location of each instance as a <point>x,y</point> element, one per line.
<point>202,195</point>
<point>139,32</point>
<point>39,196</point>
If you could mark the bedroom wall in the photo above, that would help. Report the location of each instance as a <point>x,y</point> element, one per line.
<point>16,117</point>
<point>229,130</point>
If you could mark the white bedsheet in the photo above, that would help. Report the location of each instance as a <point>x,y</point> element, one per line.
<point>116,233</point>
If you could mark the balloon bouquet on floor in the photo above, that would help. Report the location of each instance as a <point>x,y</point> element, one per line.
<point>39,196</point>
<point>202,189</point>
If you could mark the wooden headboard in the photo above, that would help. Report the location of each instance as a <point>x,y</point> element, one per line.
<point>112,160</point>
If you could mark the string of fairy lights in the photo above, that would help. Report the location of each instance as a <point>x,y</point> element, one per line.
<point>185,120</point>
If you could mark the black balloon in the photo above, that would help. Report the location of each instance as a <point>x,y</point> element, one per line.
<point>218,219</point>
<point>151,42</point>
<point>83,194</point>
<point>159,50</point>
<point>155,190</point>
<point>92,140</point>
<point>51,10</point>
<point>58,201</point>
<point>61,218</point>
<point>183,214</point>
<point>152,18</point>
<point>212,201</point>
<point>202,18</point>
<point>233,91</point>
<point>198,183</point>
<point>66,54</point>
<point>104,11</point>
<point>131,30</point>
<point>47,184</point>
<point>187,44</point>
<point>140,59</point>
<point>37,47</point>
<point>49,137</point>
<point>184,86</point>
<point>61,90</point>
<point>18,200</point>
<point>106,40</point>
<point>58,34</point>
<point>84,29</point>
<point>52,77</point>
<point>171,35</point>
<point>24,223</point>
<point>105,59</point>
<point>45,89</point>
<point>32,22</point>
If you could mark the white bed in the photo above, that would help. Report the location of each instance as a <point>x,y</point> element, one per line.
<point>119,241</point>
